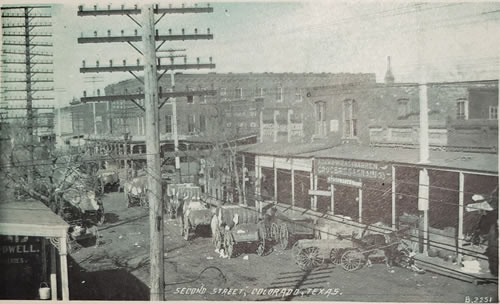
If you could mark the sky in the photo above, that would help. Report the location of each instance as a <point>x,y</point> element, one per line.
<point>448,41</point>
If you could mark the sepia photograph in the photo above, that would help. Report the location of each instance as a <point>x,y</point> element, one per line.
<point>311,151</point>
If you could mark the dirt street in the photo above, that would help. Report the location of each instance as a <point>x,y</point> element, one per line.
<point>118,269</point>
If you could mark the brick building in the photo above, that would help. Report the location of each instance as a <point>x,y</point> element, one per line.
<point>462,116</point>
<point>235,108</point>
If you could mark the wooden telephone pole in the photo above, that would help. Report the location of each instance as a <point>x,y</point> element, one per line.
<point>153,156</point>
<point>152,103</point>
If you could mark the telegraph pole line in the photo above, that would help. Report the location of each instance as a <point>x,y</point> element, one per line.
<point>23,19</point>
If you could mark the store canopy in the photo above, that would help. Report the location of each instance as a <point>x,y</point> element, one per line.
<point>475,162</point>
<point>30,218</point>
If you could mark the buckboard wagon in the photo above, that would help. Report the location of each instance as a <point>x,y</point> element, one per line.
<point>311,253</point>
<point>352,253</point>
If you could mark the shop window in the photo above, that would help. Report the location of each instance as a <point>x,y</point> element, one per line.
<point>462,109</point>
<point>493,112</point>
<point>350,118</point>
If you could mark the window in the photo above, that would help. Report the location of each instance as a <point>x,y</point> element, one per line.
<point>320,119</point>
<point>350,118</point>
<point>168,124</point>
<point>203,124</point>
<point>190,99</point>
<point>403,108</point>
<point>191,122</point>
<point>238,93</point>
<point>259,92</point>
<point>279,94</point>
<point>298,97</point>
<point>203,98</point>
<point>462,109</point>
<point>493,112</point>
<point>222,91</point>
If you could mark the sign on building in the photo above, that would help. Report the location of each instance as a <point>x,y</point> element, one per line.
<point>334,168</point>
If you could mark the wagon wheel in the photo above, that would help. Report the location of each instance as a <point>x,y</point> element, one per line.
<point>261,248</point>
<point>296,249</point>
<point>309,258</point>
<point>352,260</point>
<point>283,236</point>
<point>403,258</point>
<point>228,244</point>
<point>275,232</point>
<point>336,255</point>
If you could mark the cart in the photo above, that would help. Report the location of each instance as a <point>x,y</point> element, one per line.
<point>312,253</point>
<point>196,213</point>
<point>389,246</point>
<point>232,225</point>
<point>285,229</point>
<point>245,233</point>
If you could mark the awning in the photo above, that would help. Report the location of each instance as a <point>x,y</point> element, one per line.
<point>34,219</point>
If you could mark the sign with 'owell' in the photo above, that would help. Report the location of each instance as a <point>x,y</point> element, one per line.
<point>352,169</point>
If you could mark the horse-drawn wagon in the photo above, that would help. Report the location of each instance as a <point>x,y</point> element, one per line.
<point>233,226</point>
<point>352,252</point>
<point>287,228</point>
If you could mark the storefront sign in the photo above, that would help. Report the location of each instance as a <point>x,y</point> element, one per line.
<point>344,181</point>
<point>19,250</point>
<point>320,192</point>
<point>352,169</point>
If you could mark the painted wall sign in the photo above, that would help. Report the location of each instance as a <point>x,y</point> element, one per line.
<point>352,169</point>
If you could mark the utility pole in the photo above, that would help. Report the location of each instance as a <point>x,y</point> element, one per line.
<point>153,156</point>
<point>175,133</point>
<point>152,103</point>
<point>423,179</point>
<point>31,43</point>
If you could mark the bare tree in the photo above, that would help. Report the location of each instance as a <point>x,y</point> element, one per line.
<point>58,176</point>
<point>223,155</point>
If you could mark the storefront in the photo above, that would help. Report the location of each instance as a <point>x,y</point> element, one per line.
<point>31,235</point>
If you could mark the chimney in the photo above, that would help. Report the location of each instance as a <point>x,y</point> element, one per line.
<point>389,77</point>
